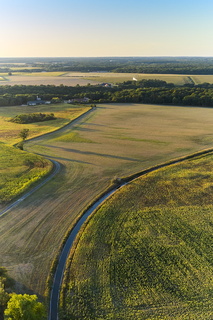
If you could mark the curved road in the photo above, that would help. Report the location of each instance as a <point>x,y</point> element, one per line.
<point>56,164</point>
<point>54,298</point>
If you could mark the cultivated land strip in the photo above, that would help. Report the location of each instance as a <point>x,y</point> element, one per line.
<point>55,292</point>
<point>56,169</point>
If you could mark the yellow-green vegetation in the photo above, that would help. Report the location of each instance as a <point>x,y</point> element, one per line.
<point>19,170</point>
<point>198,79</point>
<point>63,112</point>
<point>147,252</point>
<point>24,307</point>
<point>83,78</point>
<point>72,137</point>
<point>40,74</point>
<point>32,233</point>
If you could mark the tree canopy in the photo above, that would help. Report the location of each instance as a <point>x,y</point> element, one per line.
<point>24,307</point>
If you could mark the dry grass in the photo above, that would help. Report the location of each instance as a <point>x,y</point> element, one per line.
<point>120,77</point>
<point>63,112</point>
<point>113,141</point>
<point>82,78</point>
<point>202,78</point>
<point>52,78</point>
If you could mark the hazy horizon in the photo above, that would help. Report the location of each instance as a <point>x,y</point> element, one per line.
<point>124,28</point>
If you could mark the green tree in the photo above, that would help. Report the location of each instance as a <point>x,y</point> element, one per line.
<point>24,307</point>
<point>4,297</point>
<point>24,134</point>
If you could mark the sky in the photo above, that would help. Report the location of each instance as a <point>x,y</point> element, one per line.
<point>95,28</point>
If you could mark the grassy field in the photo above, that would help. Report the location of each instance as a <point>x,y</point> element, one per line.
<point>147,252</point>
<point>202,78</point>
<point>112,141</point>
<point>82,78</point>
<point>63,112</point>
<point>19,170</point>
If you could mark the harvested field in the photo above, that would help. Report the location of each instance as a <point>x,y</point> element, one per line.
<point>114,140</point>
<point>120,77</point>
<point>33,79</point>
<point>202,78</point>
<point>82,78</point>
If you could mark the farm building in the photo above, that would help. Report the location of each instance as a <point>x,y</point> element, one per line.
<point>37,102</point>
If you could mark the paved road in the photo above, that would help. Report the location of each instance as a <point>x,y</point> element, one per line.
<point>56,169</point>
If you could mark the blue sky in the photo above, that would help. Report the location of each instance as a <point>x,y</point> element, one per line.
<point>80,28</point>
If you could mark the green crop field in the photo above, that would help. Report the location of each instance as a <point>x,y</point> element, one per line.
<point>147,252</point>
<point>19,170</point>
<point>112,141</point>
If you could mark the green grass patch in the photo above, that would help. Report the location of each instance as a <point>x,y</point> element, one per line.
<point>72,137</point>
<point>147,252</point>
<point>18,171</point>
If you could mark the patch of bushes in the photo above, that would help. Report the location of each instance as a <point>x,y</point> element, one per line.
<point>33,117</point>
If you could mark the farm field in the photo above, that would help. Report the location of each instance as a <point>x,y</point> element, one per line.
<point>19,170</point>
<point>113,141</point>
<point>63,112</point>
<point>82,78</point>
<point>147,251</point>
<point>45,78</point>
<point>120,77</point>
<point>202,78</point>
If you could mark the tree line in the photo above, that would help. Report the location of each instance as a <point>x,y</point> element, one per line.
<point>144,91</point>
<point>165,65</point>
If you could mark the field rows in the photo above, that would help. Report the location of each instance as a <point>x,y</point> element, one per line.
<point>147,252</point>
<point>81,78</point>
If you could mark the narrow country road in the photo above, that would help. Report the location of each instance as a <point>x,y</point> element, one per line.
<point>55,163</point>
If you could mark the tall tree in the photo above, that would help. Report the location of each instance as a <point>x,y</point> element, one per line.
<point>24,134</point>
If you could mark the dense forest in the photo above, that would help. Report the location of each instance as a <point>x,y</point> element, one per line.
<point>164,65</point>
<point>144,91</point>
